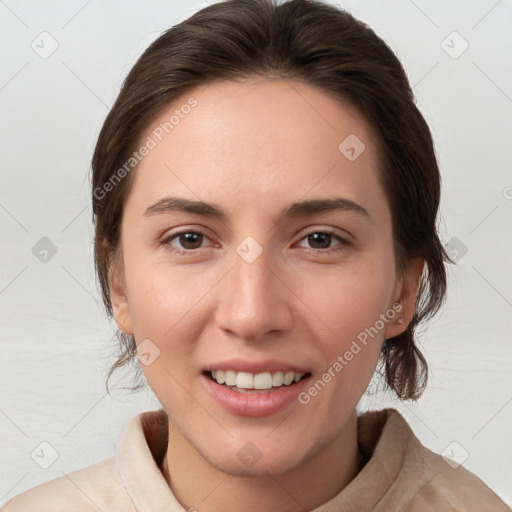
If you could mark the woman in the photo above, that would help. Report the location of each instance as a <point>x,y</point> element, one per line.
<point>265,194</point>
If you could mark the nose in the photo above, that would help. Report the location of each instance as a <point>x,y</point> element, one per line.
<point>255,299</point>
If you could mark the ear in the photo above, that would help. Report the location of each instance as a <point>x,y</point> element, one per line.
<point>119,299</point>
<point>406,292</point>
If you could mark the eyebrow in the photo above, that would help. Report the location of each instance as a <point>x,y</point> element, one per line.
<point>306,207</point>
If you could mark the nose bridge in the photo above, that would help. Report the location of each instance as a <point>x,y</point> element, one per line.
<point>255,302</point>
<point>253,278</point>
<point>252,261</point>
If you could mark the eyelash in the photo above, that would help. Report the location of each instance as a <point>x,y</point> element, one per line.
<point>342,242</point>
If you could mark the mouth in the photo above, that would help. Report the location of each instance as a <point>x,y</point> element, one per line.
<point>254,395</point>
<point>251,383</point>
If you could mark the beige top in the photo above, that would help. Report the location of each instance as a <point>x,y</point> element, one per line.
<point>400,474</point>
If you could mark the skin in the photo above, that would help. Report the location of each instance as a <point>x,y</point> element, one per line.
<point>253,147</point>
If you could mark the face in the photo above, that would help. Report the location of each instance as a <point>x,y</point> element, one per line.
<point>255,247</point>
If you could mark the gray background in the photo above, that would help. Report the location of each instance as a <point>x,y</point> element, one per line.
<point>56,343</point>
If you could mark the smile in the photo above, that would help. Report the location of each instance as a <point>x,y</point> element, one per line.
<point>254,394</point>
<point>259,381</point>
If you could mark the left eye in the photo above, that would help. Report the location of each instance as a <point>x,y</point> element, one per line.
<point>322,240</point>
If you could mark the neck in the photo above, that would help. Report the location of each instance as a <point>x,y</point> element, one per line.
<point>198,485</point>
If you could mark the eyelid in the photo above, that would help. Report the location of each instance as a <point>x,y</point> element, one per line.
<point>179,230</point>
<point>341,233</point>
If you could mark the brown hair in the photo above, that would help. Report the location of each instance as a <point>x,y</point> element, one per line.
<point>322,46</point>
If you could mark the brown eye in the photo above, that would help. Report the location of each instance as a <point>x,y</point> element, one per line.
<point>190,240</point>
<point>321,241</point>
<point>186,241</point>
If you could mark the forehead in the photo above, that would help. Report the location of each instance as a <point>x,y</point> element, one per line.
<point>259,140</point>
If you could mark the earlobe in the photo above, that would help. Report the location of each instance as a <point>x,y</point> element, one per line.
<point>406,296</point>
<point>119,300</point>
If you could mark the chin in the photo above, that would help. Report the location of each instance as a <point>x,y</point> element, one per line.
<point>277,465</point>
<point>262,456</point>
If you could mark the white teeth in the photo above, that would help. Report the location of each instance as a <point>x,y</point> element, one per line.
<point>288,378</point>
<point>219,376</point>
<point>230,378</point>
<point>277,379</point>
<point>244,380</point>
<point>265,380</point>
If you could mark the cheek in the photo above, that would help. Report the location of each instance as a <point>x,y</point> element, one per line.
<point>164,309</point>
<point>348,300</point>
<point>350,305</point>
<point>161,296</point>
<point>169,306</point>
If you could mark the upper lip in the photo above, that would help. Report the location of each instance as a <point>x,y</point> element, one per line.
<point>255,367</point>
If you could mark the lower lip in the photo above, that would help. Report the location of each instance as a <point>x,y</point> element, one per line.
<point>254,405</point>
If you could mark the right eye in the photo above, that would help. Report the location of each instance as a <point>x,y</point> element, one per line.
<point>189,241</point>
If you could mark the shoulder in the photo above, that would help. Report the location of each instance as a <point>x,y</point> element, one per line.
<point>437,483</point>
<point>96,487</point>
<point>447,484</point>
<point>113,484</point>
